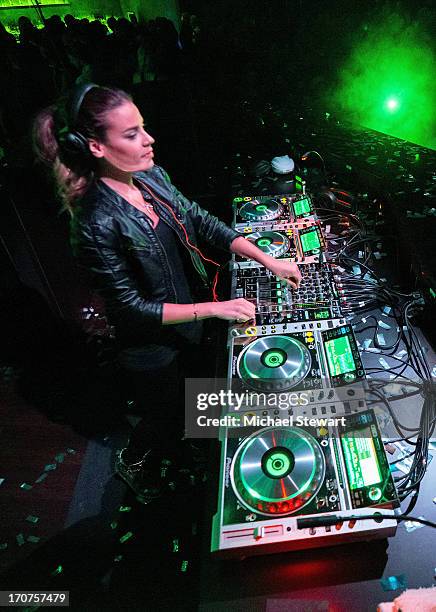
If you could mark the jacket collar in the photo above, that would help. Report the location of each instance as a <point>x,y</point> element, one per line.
<point>155,185</point>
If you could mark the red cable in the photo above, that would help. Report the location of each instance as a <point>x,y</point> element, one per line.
<point>214,285</point>
<point>192,246</point>
<point>339,191</point>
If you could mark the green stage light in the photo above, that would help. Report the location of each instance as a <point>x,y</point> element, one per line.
<point>392,104</point>
<point>387,80</point>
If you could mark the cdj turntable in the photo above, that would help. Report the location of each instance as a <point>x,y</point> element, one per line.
<point>317,298</point>
<point>277,475</point>
<point>309,459</point>
<point>268,212</point>
<point>294,357</point>
<point>295,243</point>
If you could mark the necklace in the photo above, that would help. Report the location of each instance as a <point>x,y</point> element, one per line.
<point>147,206</point>
<point>138,198</point>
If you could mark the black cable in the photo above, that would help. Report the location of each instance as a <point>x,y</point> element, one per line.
<point>324,521</point>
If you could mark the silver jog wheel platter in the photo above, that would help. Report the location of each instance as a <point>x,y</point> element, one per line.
<point>272,243</point>
<point>261,211</point>
<point>277,470</point>
<point>274,363</point>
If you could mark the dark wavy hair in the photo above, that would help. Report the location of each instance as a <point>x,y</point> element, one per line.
<point>74,173</point>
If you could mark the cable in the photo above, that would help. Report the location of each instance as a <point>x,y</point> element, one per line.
<point>325,521</point>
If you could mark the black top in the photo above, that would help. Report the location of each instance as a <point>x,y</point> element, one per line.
<point>155,356</point>
<point>171,245</point>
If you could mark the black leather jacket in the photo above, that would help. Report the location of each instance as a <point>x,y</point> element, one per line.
<point>129,267</point>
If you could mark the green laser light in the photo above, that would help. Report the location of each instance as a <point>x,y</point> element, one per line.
<point>392,104</point>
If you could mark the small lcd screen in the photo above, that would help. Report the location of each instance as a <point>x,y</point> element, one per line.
<point>310,241</point>
<point>339,356</point>
<point>322,314</point>
<point>301,207</point>
<point>361,459</point>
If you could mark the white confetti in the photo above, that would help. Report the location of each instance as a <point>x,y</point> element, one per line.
<point>381,339</point>
<point>384,325</point>
<point>412,525</point>
<point>384,363</point>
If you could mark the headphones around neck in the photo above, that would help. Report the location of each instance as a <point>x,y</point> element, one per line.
<point>71,141</point>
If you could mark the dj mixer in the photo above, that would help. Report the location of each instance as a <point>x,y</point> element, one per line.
<point>300,462</point>
<point>318,297</point>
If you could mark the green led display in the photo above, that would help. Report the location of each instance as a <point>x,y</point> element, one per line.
<point>339,356</point>
<point>301,207</point>
<point>310,241</point>
<point>322,314</point>
<point>361,459</point>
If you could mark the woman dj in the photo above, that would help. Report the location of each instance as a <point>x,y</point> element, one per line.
<point>132,230</point>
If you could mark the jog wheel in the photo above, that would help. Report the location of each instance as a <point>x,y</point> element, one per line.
<point>261,211</point>
<point>271,243</point>
<point>277,470</point>
<point>274,363</point>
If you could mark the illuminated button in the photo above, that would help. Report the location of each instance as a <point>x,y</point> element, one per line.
<point>323,431</point>
<point>351,523</point>
<point>374,494</point>
<point>338,526</point>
